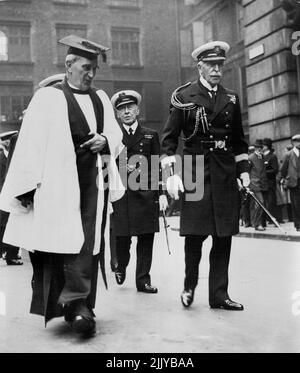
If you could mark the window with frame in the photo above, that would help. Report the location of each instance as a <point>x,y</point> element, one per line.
<point>125,47</point>
<point>15,42</point>
<point>14,98</point>
<point>63,30</point>
<point>124,3</point>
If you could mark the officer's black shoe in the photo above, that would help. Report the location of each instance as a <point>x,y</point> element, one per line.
<point>120,276</point>
<point>147,288</point>
<point>187,297</point>
<point>229,305</point>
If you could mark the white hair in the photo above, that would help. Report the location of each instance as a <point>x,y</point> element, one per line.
<point>70,59</point>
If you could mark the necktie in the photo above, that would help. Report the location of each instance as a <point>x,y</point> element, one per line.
<point>130,132</point>
<point>213,96</point>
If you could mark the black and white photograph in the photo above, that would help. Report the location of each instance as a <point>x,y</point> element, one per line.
<point>149,179</point>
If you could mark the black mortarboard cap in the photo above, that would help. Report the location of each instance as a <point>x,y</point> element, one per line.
<point>83,47</point>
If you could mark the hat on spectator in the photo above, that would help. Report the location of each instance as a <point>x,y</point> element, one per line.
<point>125,97</point>
<point>268,142</point>
<point>83,47</point>
<point>258,143</point>
<point>296,137</point>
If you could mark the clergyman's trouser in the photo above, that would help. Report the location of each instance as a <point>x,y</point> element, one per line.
<point>59,279</point>
<point>80,274</point>
<point>219,262</point>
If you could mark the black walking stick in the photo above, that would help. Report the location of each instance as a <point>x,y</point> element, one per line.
<point>247,191</point>
<point>166,225</point>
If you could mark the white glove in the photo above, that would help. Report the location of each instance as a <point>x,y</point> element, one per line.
<point>163,202</point>
<point>174,185</point>
<point>245,179</point>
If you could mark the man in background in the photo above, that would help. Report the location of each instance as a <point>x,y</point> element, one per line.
<point>290,174</point>
<point>272,168</point>
<point>137,212</point>
<point>258,185</point>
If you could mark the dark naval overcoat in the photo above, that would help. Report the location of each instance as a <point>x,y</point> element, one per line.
<point>137,212</point>
<point>217,212</point>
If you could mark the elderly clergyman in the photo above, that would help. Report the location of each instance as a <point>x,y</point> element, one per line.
<point>56,190</point>
<point>209,116</point>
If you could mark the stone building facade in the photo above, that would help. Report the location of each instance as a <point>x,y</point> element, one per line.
<point>261,66</point>
<point>143,36</point>
<point>273,93</point>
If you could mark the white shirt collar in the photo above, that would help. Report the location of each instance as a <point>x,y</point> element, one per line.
<point>72,86</point>
<point>133,127</point>
<point>5,152</point>
<point>207,85</point>
<point>266,152</point>
<point>296,151</point>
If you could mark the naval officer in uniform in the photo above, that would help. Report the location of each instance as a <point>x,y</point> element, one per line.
<point>209,116</point>
<point>137,212</point>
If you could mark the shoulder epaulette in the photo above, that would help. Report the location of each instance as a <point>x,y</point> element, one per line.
<point>177,103</point>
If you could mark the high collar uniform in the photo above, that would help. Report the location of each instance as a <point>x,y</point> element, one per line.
<point>137,212</point>
<point>217,213</point>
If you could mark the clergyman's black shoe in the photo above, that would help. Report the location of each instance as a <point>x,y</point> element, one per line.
<point>147,288</point>
<point>80,317</point>
<point>83,325</point>
<point>120,276</point>
<point>229,305</point>
<point>187,297</point>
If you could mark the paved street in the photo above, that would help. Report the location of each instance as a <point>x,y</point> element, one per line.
<point>265,275</point>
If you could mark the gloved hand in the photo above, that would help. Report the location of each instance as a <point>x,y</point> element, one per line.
<point>163,202</point>
<point>245,179</point>
<point>240,186</point>
<point>174,185</point>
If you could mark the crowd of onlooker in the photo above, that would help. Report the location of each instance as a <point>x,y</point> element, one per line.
<point>276,184</point>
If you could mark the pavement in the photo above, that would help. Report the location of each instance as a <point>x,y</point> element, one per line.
<point>286,233</point>
<point>264,276</point>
